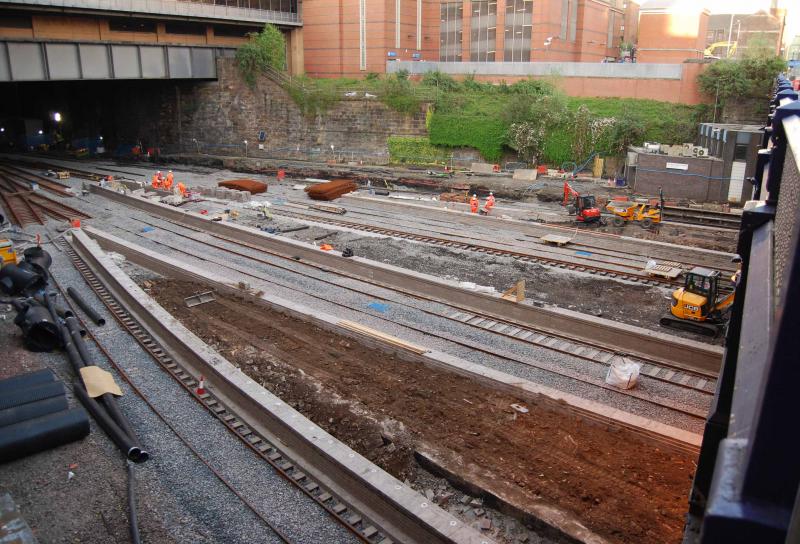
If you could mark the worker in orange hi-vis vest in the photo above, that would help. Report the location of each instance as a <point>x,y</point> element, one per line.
<point>170,179</point>
<point>182,189</point>
<point>473,204</point>
<point>490,202</point>
<point>157,181</point>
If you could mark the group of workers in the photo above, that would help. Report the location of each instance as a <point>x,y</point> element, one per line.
<point>165,183</point>
<point>474,204</point>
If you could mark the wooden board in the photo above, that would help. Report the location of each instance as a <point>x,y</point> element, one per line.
<point>664,271</point>
<point>382,337</point>
<point>556,239</point>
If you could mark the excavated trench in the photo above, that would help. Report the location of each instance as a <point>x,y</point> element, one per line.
<point>386,408</point>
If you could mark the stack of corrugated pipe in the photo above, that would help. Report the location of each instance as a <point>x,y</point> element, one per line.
<point>47,326</point>
<point>331,190</point>
<point>37,415</point>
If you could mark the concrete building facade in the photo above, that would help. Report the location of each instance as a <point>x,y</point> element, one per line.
<point>355,37</point>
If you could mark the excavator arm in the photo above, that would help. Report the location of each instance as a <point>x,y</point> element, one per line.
<point>569,194</point>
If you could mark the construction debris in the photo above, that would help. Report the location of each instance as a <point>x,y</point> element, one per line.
<point>331,190</point>
<point>453,197</point>
<point>200,298</point>
<point>250,185</point>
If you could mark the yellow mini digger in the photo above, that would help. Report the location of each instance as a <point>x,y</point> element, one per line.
<point>701,305</point>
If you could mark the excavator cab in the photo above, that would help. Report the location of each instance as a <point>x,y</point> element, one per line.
<point>699,294</point>
<point>698,306</point>
<point>583,207</point>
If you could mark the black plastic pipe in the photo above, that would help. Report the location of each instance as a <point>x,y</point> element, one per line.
<point>74,329</point>
<point>39,327</point>
<point>108,400</point>
<point>30,410</point>
<point>62,312</point>
<point>69,347</point>
<point>88,310</point>
<point>23,381</point>
<point>117,435</point>
<point>31,394</point>
<point>42,433</point>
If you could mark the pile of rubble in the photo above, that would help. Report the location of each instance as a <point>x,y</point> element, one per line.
<point>223,193</point>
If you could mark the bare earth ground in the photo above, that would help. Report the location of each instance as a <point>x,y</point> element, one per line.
<point>626,490</point>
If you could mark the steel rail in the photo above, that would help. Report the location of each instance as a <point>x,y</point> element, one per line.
<point>650,249</point>
<point>125,376</point>
<point>53,186</point>
<point>591,411</point>
<point>389,508</point>
<point>542,341</point>
<point>638,258</point>
<point>693,356</point>
<point>635,275</point>
<point>677,376</point>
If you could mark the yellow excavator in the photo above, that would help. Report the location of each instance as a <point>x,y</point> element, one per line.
<point>730,50</point>
<point>701,305</point>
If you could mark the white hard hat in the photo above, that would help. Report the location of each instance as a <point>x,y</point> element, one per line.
<point>474,195</point>
<point>491,193</point>
<point>170,171</point>
<point>158,172</point>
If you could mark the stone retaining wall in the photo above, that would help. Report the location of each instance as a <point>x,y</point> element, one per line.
<point>218,116</point>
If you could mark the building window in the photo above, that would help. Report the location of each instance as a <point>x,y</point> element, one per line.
<point>189,29</point>
<point>450,31</point>
<point>564,19</point>
<point>132,25</point>
<point>612,19</point>
<point>519,15</point>
<point>742,145</point>
<point>234,31</point>
<point>483,31</point>
<point>16,21</point>
<point>573,20</point>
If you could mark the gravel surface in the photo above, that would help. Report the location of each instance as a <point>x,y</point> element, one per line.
<point>181,499</point>
<point>511,356</point>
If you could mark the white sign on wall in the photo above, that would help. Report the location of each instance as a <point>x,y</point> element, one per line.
<point>677,166</point>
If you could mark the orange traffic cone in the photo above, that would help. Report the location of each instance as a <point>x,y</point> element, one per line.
<point>201,388</point>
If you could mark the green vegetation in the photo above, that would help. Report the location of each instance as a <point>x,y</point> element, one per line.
<point>315,96</point>
<point>264,51</point>
<point>544,125</point>
<point>749,78</point>
<point>417,150</point>
<point>531,117</point>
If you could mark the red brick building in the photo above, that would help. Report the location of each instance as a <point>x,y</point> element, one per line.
<point>355,37</point>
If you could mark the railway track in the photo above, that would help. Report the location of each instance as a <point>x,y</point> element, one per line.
<point>632,274</point>
<point>263,447</point>
<point>703,382</point>
<point>672,375</point>
<point>709,218</point>
<point>589,240</point>
<point>634,340</point>
<point>27,207</point>
<point>266,440</point>
<point>64,247</point>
